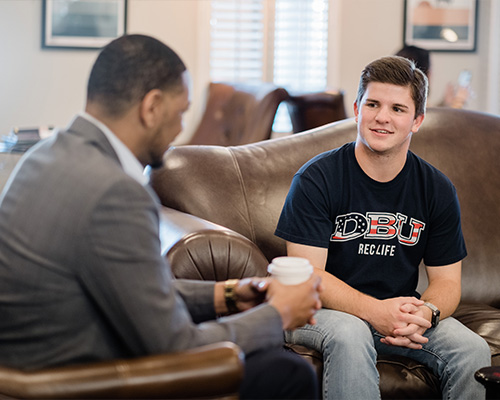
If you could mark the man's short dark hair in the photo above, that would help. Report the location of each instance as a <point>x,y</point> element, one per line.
<point>128,68</point>
<point>398,71</point>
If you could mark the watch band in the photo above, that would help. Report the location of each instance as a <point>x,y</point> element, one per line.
<point>435,313</point>
<point>230,295</point>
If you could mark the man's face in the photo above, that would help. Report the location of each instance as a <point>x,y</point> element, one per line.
<point>386,118</point>
<point>175,104</point>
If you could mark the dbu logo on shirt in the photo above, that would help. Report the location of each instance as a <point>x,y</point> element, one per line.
<point>377,225</point>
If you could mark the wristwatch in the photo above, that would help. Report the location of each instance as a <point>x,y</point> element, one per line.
<point>230,295</point>
<point>435,313</point>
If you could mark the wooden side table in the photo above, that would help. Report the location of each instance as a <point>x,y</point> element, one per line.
<point>489,377</point>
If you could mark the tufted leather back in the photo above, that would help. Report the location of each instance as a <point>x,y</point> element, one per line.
<point>243,187</point>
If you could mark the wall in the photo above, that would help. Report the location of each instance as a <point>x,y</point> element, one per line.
<point>37,87</point>
<point>46,87</point>
<point>371,29</point>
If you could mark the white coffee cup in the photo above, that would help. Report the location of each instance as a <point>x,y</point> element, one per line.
<point>290,270</point>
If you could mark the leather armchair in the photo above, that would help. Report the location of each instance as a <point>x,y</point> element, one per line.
<point>242,189</point>
<point>238,113</point>
<point>310,110</point>
<point>212,371</point>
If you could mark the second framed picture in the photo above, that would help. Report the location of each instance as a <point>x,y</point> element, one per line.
<point>441,25</point>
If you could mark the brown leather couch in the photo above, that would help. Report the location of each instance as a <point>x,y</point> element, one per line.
<point>241,190</point>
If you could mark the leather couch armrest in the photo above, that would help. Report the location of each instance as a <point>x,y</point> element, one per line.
<point>199,249</point>
<point>210,371</point>
<point>485,321</point>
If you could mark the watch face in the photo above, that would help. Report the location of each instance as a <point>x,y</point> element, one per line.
<point>435,317</point>
<point>435,313</point>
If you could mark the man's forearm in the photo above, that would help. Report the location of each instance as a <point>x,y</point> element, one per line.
<point>444,288</point>
<point>445,295</point>
<point>198,297</point>
<point>338,295</point>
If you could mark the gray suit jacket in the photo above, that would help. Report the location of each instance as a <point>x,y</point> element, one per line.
<point>81,272</point>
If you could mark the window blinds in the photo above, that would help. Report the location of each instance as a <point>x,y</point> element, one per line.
<point>300,50</point>
<point>237,40</point>
<point>289,46</point>
<point>300,44</point>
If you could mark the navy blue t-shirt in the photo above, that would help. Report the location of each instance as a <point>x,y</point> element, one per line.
<point>376,233</point>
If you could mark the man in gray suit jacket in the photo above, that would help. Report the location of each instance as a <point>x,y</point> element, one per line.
<point>81,272</point>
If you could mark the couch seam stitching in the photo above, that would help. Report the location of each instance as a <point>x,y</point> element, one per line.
<point>242,187</point>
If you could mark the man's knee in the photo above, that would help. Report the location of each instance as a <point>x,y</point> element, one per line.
<point>344,329</point>
<point>479,349</point>
<point>334,332</point>
<point>471,345</point>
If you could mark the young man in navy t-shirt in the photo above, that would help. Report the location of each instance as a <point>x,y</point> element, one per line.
<point>365,215</point>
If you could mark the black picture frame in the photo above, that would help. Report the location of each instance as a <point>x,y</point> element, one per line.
<point>82,24</point>
<point>441,25</point>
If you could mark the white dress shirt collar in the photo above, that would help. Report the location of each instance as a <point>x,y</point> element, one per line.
<point>129,162</point>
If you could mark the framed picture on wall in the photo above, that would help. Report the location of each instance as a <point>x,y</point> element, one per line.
<point>87,24</point>
<point>441,25</point>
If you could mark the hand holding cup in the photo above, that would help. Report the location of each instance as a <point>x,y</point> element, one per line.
<point>294,291</point>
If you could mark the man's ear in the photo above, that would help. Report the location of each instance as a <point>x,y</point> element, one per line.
<point>417,122</point>
<point>151,108</point>
<point>356,110</point>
